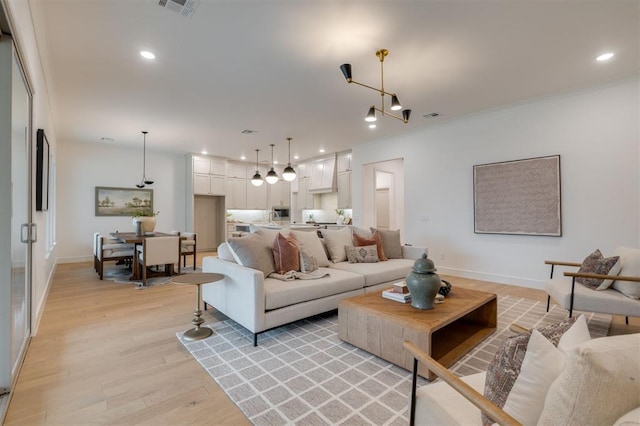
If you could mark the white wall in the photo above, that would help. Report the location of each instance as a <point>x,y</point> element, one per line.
<point>82,167</point>
<point>595,132</point>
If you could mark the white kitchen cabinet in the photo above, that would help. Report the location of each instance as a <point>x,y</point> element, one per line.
<point>236,169</point>
<point>208,184</point>
<point>209,165</point>
<point>236,193</point>
<point>344,162</point>
<point>306,200</point>
<point>344,190</point>
<point>280,194</point>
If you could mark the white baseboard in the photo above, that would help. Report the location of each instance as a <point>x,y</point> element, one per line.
<point>496,278</point>
<point>75,259</point>
<point>42,302</point>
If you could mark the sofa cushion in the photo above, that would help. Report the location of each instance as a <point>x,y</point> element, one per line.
<point>335,240</point>
<point>391,243</point>
<point>600,383</point>
<point>373,239</point>
<point>439,404</point>
<point>253,251</point>
<point>286,254</point>
<point>380,272</point>
<point>596,263</point>
<point>363,254</point>
<point>279,294</point>
<point>632,418</point>
<point>311,242</point>
<point>630,267</point>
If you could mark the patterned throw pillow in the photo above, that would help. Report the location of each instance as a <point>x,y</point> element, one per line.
<point>505,367</point>
<point>286,254</point>
<point>308,262</point>
<point>362,254</point>
<point>373,239</point>
<point>596,263</point>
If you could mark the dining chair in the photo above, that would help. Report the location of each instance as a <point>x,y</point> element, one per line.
<point>158,251</point>
<point>188,247</point>
<point>96,235</point>
<point>108,250</point>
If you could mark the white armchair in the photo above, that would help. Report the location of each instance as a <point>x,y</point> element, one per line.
<point>158,251</point>
<point>612,301</point>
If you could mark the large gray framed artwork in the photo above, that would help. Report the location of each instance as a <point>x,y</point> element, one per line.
<point>518,197</point>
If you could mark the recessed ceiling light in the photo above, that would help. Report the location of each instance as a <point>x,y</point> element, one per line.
<point>296,157</point>
<point>147,55</point>
<point>321,150</point>
<point>372,126</point>
<point>275,161</point>
<point>242,157</point>
<point>604,57</point>
<point>204,152</point>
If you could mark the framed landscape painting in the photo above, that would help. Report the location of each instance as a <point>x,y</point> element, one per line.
<point>519,197</point>
<point>122,201</point>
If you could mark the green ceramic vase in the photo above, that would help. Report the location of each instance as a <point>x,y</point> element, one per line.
<point>423,283</point>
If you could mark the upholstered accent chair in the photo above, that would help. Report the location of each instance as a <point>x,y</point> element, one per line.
<point>158,251</point>
<point>621,297</point>
<point>108,250</point>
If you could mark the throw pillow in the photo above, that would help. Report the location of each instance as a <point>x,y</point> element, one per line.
<point>310,241</point>
<point>286,254</point>
<point>335,241</point>
<point>507,362</point>
<point>362,254</point>
<point>541,365</point>
<point>391,243</point>
<point>252,251</point>
<point>373,239</point>
<point>269,234</point>
<point>224,253</point>
<point>596,263</point>
<point>308,262</point>
<point>598,385</point>
<point>630,267</point>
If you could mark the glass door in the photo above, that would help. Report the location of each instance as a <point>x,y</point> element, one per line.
<point>16,230</point>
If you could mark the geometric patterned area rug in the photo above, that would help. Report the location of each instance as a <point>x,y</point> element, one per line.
<point>301,373</point>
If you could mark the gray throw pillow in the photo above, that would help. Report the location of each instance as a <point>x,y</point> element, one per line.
<point>253,251</point>
<point>308,262</point>
<point>390,243</point>
<point>362,254</point>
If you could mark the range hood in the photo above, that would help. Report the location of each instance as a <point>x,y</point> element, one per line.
<point>323,175</point>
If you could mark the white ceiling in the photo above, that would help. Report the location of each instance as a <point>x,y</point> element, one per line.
<point>273,66</point>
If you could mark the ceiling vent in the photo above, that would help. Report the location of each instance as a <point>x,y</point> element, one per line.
<point>248,132</point>
<point>185,8</point>
<point>432,115</point>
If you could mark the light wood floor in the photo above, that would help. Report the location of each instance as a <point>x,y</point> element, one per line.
<point>106,353</point>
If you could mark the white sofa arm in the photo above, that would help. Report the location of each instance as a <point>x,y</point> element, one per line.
<point>240,295</point>
<point>413,252</point>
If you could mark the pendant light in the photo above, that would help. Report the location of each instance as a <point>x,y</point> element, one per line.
<point>272,176</point>
<point>288,173</point>
<point>257,180</point>
<point>144,180</point>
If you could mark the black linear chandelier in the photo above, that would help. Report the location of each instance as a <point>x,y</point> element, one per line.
<point>395,103</point>
<point>144,180</point>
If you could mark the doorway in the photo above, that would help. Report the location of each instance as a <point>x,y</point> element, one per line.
<point>208,221</point>
<point>383,194</point>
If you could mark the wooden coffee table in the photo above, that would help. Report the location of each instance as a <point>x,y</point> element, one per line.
<point>446,333</point>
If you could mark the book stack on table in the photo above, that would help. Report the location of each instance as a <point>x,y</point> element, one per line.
<point>399,293</point>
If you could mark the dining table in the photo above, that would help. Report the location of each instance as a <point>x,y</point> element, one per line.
<point>136,239</point>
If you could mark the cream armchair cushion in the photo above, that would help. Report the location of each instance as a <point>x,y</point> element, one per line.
<point>159,251</point>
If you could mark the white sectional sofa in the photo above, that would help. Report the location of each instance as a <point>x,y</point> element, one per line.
<point>260,303</point>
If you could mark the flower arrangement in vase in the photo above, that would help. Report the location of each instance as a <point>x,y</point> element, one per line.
<point>147,219</point>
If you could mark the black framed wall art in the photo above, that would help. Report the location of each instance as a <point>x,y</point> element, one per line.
<point>42,171</point>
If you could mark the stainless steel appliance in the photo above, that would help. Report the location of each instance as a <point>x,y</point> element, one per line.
<point>280,213</point>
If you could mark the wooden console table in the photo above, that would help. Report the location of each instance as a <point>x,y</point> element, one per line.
<point>446,333</point>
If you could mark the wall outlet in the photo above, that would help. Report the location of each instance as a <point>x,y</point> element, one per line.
<point>424,218</point>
